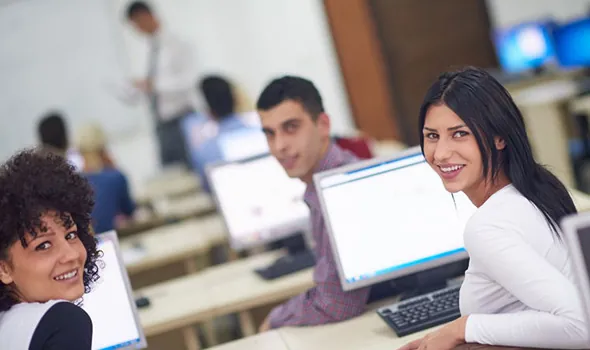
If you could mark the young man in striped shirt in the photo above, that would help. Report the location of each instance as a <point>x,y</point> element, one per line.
<point>298,133</point>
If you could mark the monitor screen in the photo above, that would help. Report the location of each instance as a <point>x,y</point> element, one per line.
<point>576,231</point>
<point>242,144</point>
<point>572,43</point>
<point>110,304</point>
<point>391,218</point>
<point>524,47</point>
<point>259,202</point>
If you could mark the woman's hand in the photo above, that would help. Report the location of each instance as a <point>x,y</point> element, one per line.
<point>446,338</point>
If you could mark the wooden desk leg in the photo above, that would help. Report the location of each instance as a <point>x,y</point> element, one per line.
<point>210,333</point>
<point>191,339</point>
<point>190,265</point>
<point>247,323</point>
<point>232,255</point>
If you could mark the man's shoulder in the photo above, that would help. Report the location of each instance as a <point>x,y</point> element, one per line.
<point>343,157</point>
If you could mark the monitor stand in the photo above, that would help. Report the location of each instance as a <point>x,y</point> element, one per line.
<point>298,258</point>
<point>419,283</point>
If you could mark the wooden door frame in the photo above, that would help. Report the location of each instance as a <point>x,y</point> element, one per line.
<point>363,67</point>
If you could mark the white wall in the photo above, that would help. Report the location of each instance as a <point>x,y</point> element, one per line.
<point>505,13</point>
<point>251,42</point>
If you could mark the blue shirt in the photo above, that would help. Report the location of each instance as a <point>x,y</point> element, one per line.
<point>233,136</point>
<point>111,197</point>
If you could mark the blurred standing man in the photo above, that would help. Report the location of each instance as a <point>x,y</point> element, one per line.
<point>168,84</point>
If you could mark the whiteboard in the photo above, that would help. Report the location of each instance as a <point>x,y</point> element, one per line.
<point>61,55</point>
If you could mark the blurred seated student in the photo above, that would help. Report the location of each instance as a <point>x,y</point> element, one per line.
<point>518,290</point>
<point>48,258</point>
<point>219,97</point>
<point>53,134</point>
<point>53,138</point>
<point>114,205</point>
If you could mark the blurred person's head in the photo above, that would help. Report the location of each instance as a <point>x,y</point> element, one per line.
<point>92,145</point>
<point>296,127</point>
<point>219,96</point>
<point>140,15</point>
<point>53,134</point>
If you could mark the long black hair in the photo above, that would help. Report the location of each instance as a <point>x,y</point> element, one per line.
<point>488,110</point>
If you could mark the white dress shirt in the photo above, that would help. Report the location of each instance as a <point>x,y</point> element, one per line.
<point>519,289</point>
<point>174,80</point>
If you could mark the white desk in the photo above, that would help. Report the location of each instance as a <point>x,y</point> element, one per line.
<point>172,243</point>
<point>169,184</point>
<point>265,341</point>
<point>192,204</point>
<point>233,287</point>
<point>171,209</point>
<point>367,332</point>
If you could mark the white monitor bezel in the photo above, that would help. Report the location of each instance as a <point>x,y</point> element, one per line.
<point>347,285</point>
<point>112,236</point>
<point>237,244</point>
<point>569,227</point>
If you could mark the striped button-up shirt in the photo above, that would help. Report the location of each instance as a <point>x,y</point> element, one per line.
<point>326,302</point>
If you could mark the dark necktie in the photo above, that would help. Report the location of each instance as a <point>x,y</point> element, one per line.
<point>151,75</point>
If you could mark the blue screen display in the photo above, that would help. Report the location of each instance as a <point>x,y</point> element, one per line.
<point>572,43</point>
<point>524,47</point>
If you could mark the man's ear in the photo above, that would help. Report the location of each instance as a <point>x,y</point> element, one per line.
<point>324,124</point>
<point>499,143</point>
<point>5,273</point>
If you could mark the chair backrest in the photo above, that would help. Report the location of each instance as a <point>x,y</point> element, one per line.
<point>359,146</point>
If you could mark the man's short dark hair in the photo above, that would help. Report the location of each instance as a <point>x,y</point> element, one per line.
<point>52,131</point>
<point>137,7</point>
<point>219,96</point>
<point>292,88</point>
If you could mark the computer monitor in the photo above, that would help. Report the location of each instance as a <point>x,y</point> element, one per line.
<point>258,201</point>
<point>525,47</point>
<point>390,218</point>
<point>576,231</point>
<point>572,43</point>
<point>110,304</point>
<point>242,144</point>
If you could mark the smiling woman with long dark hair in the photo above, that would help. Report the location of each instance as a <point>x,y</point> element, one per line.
<point>48,256</point>
<point>518,290</point>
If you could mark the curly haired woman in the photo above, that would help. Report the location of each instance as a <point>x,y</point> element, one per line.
<point>48,256</point>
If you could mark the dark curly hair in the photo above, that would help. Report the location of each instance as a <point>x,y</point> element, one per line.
<point>31,184</point>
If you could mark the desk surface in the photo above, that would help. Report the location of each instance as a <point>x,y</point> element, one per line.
<point>264,341</point>
<point>168,185</point>
<point>172,243</point>
<point>171,209</point>
<point>216,291</point>
<point>367,332</point>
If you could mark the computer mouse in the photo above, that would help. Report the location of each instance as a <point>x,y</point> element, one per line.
<point>142,302</point>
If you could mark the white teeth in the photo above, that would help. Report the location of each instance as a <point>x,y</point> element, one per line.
<point>451,168</point>
<point>66,276</point>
